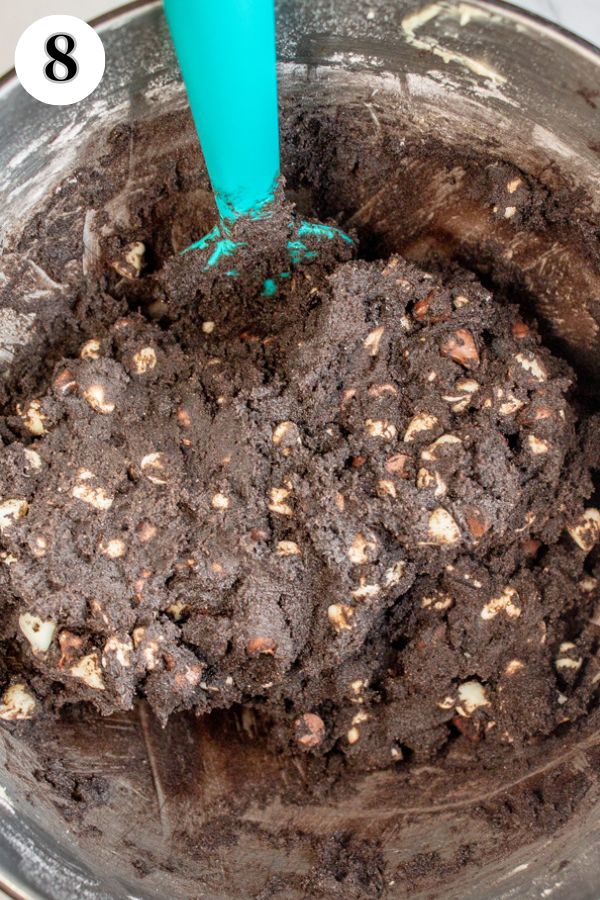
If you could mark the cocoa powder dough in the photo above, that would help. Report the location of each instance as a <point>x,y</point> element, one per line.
<point>348,505</point>
<point>362,508</point>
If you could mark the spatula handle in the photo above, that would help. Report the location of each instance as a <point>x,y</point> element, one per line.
<point>226,51</point>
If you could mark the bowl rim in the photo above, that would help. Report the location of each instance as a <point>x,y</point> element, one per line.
<point>553,29</point>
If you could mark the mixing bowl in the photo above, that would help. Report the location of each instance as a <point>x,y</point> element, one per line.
<point>404,102</point>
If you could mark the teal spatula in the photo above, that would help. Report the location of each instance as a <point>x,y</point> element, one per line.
<point>226,51</point>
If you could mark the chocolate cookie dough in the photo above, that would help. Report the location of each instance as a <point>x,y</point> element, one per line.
<point>360,506</point>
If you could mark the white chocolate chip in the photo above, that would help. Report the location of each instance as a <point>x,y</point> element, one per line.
<point>379,390</point>
<point>121,650</point>
<point>538,446</point>
<point>574,663</point>
<point>353,735</point>
<point>114,549</point>
<point>90,350</point>
<point>447,703</point>
<point>88,670</point>
<point>585,532</point>
<point>133,260</point>
<point>277,504</point>
<point>96,497</point>
<point>95,396</point>
<point>17,703</point>
<point>33,417</point>
<point>11,511</point>
<point>442,528</point>
<point>177,610</point>
<point>507,603</point>
<point>380,428</point>
<point>386,488</point>
<point>153,465</point>
<point>427,479</point>
<point>7,559</point>
<point>418,424</point>
<point>372,341</point>
<point>286,433</point>
<point>183,417</point>
<point>146,532</point>
<point>460,301</point>
<point>395,574</point>
<point>514,666</point>
<point>461,406</point>
<point>34,460</point>
<point>366,592</point>
<point>357,686</point>
<point>472,696</point>
<point>510,406</point>
<point>287,548</point>
<point>208,327</point>
<point>144,360</point>
<point>64,383</point>
<point>467,386</point>
<point>348,395</point>
<point>532,365</point>
<point>339,616</point>
<point>361,550</point>
<point>135,255</point>
<point>441,488</point>
<point>439,601</point>
<point>40,545</point>
<point>138,635</point>
<point>38,632</point>
<point>430,454</point>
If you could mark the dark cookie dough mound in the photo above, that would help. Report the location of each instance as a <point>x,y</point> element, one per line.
<point>347,504</point>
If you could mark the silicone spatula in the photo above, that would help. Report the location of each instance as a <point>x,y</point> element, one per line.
<point>226,51</point>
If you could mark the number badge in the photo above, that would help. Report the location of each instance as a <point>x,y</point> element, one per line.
<point>59,60</point>
<point>68,62</point>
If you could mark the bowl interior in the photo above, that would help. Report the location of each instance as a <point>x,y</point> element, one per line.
<point>408,125</point>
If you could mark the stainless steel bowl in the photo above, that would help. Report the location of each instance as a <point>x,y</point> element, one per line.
<point>494,84</point>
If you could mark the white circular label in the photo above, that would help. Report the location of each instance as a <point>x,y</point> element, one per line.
<point>59,60</point>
